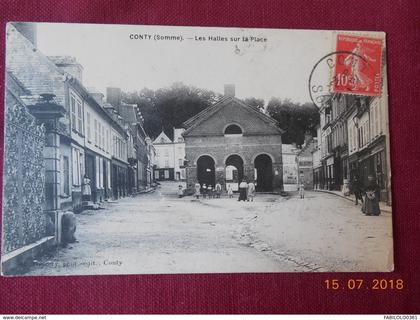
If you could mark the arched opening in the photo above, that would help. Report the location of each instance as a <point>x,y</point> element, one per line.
<point>233,129</point>
<point>234,171</point>
<point>206,171</point>
<point>264,173</point>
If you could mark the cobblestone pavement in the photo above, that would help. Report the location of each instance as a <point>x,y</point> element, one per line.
<point>159,233</point>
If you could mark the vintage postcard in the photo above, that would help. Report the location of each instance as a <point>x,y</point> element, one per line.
<point>158,149</point>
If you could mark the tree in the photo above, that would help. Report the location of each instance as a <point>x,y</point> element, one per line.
<point>146,101</point>
<point>296,119</point>
<point>169,107</point>
<point>255,102</point>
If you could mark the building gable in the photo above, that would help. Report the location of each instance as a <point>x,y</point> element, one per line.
<point>162,138</point>
<point>215,119</point>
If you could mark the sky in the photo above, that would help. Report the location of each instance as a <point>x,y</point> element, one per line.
<point>279,67</point>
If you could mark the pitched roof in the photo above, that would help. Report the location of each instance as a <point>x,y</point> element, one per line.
<point>35,71</point>
<point>209,111</point>
<point>158,140</point>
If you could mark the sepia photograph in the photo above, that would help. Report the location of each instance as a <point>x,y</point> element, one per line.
<point>132,149</point>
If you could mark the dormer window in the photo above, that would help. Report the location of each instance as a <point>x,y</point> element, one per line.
<point>233,130</point>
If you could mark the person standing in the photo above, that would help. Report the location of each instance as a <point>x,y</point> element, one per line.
<point>243,186</point>
<point>230,191</point>
<point>302,190</point>
<point>86,189</point>
<point>204,192</point>
<point>371,204</point>
<point>197,188</point>
<point>180,191</point>
<point>218,190</point>
<point>251,191</point>
<point>357,189</point>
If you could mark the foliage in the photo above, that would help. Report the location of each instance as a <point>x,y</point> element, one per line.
<point>169,107</point>
<point>255,102</point>
<point>296,119</point>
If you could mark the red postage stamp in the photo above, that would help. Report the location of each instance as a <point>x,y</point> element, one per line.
<point>358,66</point>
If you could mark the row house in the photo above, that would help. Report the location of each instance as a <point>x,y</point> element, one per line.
<point>93,139</point>
<point>304,163</point>
<point>41,77</point>
<point>353,141</point>
<point>139,152</point>
<point>369,143</point>
<point>333,140</point>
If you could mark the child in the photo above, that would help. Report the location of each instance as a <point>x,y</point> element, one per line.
<point>197,190</point>
<point>251,191</point>
<point>180,191</point>
<point>230,191</point>
<point>302,190</point>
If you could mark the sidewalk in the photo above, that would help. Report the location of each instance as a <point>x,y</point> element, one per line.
<point>383,206</point>
<point>146,190</point>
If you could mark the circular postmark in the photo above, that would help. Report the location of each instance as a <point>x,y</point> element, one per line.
<point>335,72</point>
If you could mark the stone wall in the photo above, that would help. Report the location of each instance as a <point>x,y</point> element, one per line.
<point>24,221</point>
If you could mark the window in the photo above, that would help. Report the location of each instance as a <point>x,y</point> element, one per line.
<point>103,137</point>
<point>73,112</point>
<point>98,172</point>
<point>107,140</point>
<point>76,167</point>
<point>166,163</point>
<point>162,140</point>
<point>233,129</point>
<point>166,173</point>
<point>66,171</point>
<point>89,136</point>
<point>79,116</point>
<point>96,131</point>
<point>108,173</point>
<point>180,162</point>
<point>101,173</point>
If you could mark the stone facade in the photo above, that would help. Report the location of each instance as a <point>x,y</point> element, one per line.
<point>254,136</point>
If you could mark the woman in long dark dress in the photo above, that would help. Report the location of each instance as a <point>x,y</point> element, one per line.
<point>371,205</point>
<point>243,186</point>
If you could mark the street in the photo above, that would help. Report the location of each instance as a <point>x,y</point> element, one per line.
<point>160,233</point>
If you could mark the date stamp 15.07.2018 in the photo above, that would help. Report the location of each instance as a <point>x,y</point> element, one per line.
<point>359,70</point>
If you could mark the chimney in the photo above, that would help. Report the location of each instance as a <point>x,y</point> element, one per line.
<point>114,96</point>
<point>230,90</point>
<point>27,29</point>
<point>68,64</point>
<point>97,95</point>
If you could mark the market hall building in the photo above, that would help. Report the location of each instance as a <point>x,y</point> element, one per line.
<point>231,140</point>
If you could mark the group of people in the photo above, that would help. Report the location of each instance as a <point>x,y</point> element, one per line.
<point>207,191</point>
<point>369,195</point>
<point>246,191</point>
